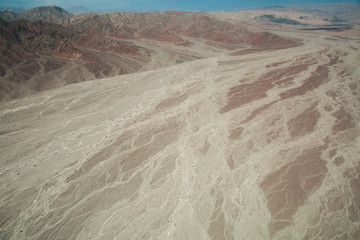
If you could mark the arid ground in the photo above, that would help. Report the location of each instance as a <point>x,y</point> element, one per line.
<point>260,144</point>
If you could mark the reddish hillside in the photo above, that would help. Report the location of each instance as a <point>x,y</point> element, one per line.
<point>54,33</point>
<point>12,52</point>
<point>171,26</point>
<point>43,37</point>
<point>38,55</point>
<point>53,39</point>
<point>97,31</point>
<point>165,26</point>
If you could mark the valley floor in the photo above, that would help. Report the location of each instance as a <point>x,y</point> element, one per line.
<point>255,146</point>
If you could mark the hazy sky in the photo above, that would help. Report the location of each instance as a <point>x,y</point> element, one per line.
<point>148,5</point>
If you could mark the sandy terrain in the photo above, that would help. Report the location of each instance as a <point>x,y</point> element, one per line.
<point>262,145</point>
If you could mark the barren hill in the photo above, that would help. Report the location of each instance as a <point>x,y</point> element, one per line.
<point>97,45</point>
<point>51,14</point>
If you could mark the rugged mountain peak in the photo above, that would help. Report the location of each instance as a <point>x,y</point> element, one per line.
<point>39,37</point>
<point>45,11</point>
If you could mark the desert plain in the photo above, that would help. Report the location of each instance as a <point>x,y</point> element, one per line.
<point>261,144</point>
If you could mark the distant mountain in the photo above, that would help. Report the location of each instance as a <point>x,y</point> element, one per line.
<point>275,7</point>
<point>78,10</point>
<point>14,9</point>
<point>292,16</point>
<point>341,12</point>
<point>281,20</point>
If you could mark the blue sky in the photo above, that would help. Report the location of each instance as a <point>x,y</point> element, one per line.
<point>149,5</point>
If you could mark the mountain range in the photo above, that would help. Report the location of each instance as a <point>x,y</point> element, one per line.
<point>50,36</point>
